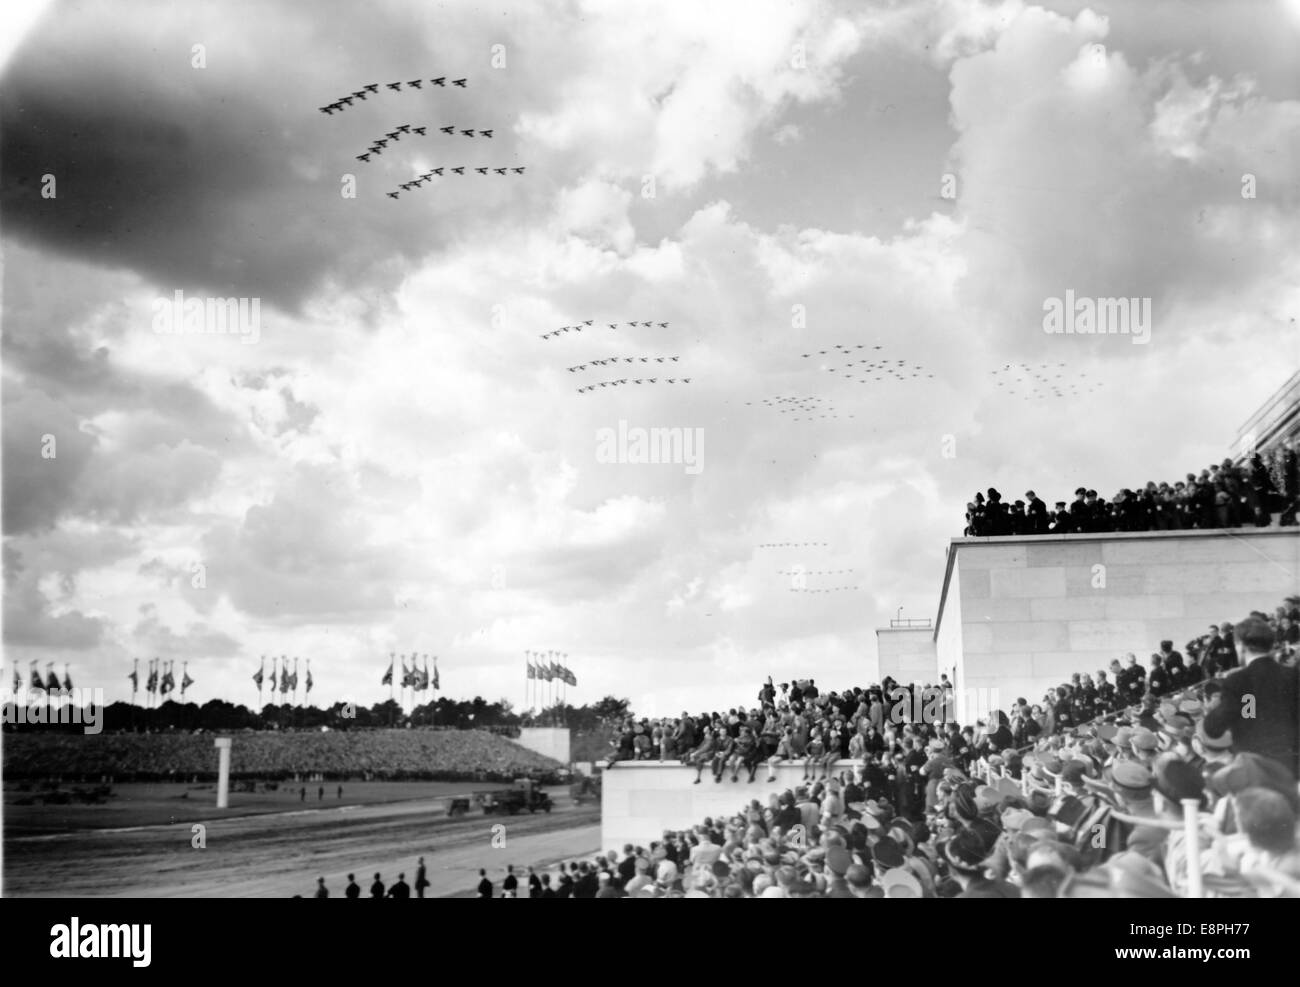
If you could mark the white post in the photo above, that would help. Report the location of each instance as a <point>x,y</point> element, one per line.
<point>1192,822</point>
<point>223,772</point>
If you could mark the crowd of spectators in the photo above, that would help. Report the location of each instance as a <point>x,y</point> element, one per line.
<point>389,755</point>
<point>1224,496</point>
<point>1082,795</point>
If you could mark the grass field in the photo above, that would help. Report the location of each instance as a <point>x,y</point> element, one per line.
<point>160,803</point>
<point>142,843</point>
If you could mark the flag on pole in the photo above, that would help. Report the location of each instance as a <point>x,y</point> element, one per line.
<point>135,680</point>
<point>36,679</point>
<point>274,666</point>
<point>532,672</point>
<point>435,671</point>
<point>258,675</point>
<point>67,679</point>
<point>52,681</point>
<point>151,684</point>
<point>18,682</point>
<point>186,681</point>
<point>309,682</point>
<point>388,675</point>
<point>406,673</point>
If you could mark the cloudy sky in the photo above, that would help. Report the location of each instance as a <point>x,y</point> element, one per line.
<point>400,463</point>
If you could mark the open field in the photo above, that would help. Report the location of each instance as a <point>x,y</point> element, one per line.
<point>258,849</point>
<point>147,804</point>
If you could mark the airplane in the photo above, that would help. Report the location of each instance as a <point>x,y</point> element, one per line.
<point>347,100</point>
<point>672,380</point>
<point>360,94</point>
<point>448,130</point>
<point>613,325</point>
<point>459,171</point>
<point>673,358</point>
<point>392,195</point>
<point>404,128</point>
<point>406,186</point>
<point>419,130</point>
<point>394,136</point>
<point>439,81</point>
<point>436,171</point>
<point>654,380</point>
<point>573,369</point>
<point>458,82</point>
<point>587,323</point>
<point>328,110</point>
<point>481,171</point>
<point>663,325</point>
<point>363,157</point>
<point>486,133</point>
<point>468,133</point>
<point>686,380</point>
<point>519,171</point>
<point>659,359</point>
<point>395,86</point>
<point>500,171</point>
<point>415,83</point>
<point>373,87</point>
<point>381,143</point>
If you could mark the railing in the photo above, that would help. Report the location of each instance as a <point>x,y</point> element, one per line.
<point>910,622</point>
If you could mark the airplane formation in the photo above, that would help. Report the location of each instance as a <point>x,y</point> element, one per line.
<point>793,544</point>
<point>588,325</point>
<point>377,146</point>
<point>801,409</point>
<point>1044,380</point>
<point>872,370</point>
<point>428,176</point>
<point>372,89</point>
<point>624,359</point>
<point>637,380</point>
<point>826,589</point>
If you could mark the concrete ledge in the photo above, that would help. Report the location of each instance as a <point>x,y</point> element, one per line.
<point>640,799</point>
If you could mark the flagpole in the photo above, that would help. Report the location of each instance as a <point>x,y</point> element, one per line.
<point>135,681</point>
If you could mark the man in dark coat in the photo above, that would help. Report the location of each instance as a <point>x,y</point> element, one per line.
<point>353,890</point>
<point>1259,701</point>
<point>484,885</point>
<point>377,889</point>
<point>421,879</point>
<point>401,889</point>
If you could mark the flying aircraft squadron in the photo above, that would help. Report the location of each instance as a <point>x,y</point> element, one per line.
<point>373,87</point>
<point>360,94</point>
<point>381,143</point>
<point>500,171</point>
<point>481,171</point>
<point>404,128</point>
<point>520,171</point>
<point>485,133</point>
<point>346,100</point>
<point>363,157</point>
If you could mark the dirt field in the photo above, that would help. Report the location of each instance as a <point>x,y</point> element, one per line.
<point>261,848</point>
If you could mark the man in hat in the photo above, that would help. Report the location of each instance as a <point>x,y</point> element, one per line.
<point>965,854</point>
<point>1259,701</point>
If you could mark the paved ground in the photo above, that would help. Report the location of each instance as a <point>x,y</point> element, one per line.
<point>281,854</point>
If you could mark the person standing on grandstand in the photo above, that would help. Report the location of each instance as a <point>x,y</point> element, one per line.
<point>510,886</point>
<point>421,879</point>
<point>401,889</point>
<point>321,890</point>
<point>1259,701</point>
<point>377,889</point>
<point>1158,681</point>
<point>1105,692</point>
<point>484,885</point>
<point>353,890</point>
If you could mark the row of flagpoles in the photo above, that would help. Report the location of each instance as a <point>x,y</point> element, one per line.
<point>541,666</point>
<point>288,680</point>
<point>50,684</point>
<point>160,680</point>
<point>414,678</point>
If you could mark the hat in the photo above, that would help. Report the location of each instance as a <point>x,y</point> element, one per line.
<point>1035,824</point>
<point>900,882</point>
<point>1008,786</point>
<point>1123,737</point>
<point>838,860</point>
<point>721,869</point>
<point>1073,773</point>
<point>1191,707</point>
<point>1013,819</point>
<point>987,797</point>
<point>887,853</point>
<point>966,851</point>
<point>1131,776</point>
<point>1220,743</point>
<point>1107,731</point>
<point>1145,740</point>
<point>1176,780</point>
